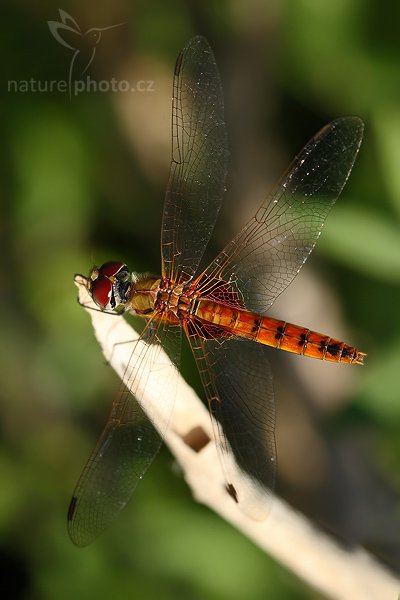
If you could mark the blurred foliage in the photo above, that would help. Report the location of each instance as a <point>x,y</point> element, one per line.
<point>76,190</point>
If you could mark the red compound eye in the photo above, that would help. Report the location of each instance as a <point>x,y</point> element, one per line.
<point>101,290</point>
<point>110,269</point>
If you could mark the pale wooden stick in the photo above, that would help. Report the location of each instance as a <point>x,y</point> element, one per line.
<point>337,571</point>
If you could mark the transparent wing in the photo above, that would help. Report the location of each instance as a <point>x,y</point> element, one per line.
<point>129,441</point>
<point>267,254</point>
<point>199,161</point>
<point>238,383</point>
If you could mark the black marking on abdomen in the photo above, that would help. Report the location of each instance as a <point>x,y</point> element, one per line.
<point>303,339</point>
<point>333,349</point>
<point>280,332</point>
<point>346,352</point>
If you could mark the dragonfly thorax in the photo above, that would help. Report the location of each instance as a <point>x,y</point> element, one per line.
<point>144,294</point>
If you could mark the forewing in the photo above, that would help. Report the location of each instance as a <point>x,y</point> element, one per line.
<point>267,254</point>
<point>129,441</point>
<point>199,161</point>
<point>238,383</point>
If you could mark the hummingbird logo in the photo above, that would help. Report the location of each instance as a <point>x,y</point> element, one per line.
<point>83,43</point>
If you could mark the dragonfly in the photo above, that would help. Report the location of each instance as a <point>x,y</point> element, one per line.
<point>221,309</point>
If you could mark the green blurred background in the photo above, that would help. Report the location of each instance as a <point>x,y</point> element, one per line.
<point>82,180</point>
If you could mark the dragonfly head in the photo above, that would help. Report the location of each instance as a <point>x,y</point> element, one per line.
<point>110,286</point>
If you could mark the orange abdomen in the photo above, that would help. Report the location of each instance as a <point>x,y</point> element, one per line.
<point>276,333</point>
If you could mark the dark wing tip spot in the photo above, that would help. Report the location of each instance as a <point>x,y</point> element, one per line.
<point>178,64</point>
<point>232,492</point>
<point>72,508</point>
